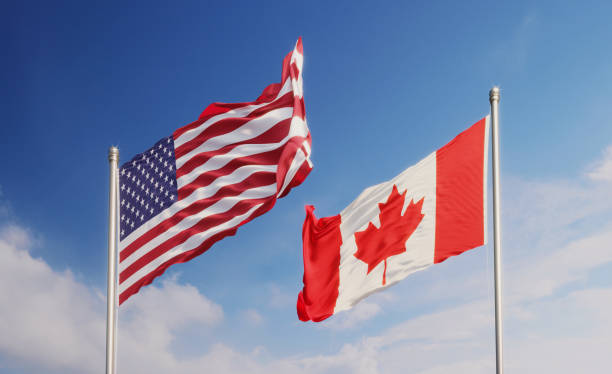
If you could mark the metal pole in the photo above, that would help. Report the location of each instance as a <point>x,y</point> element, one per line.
<point>494,100</point>
<point>111,294</point>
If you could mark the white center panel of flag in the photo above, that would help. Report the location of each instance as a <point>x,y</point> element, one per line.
<point>419,182</point>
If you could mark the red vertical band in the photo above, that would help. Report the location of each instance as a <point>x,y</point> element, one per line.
<point>322,240</point>
<point>460,193</point>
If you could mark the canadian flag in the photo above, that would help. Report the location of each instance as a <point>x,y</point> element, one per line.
<point>431,211</point>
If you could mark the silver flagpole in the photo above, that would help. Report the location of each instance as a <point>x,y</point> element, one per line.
<point>494,100</point>
<point>111,294</point>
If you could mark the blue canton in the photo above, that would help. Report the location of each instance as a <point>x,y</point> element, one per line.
<point>147,186</point>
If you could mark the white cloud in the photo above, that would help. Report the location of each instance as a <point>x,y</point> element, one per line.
<point>570,334</point>
<point>252,317</point>
<point>150,321</point>
<point>16,236</point>
<point>602,170</point>
<point>49,320</point>
<point>542,274</point>
<point>278,297</point>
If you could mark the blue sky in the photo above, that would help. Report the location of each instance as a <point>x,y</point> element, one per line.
<point>384,86</point>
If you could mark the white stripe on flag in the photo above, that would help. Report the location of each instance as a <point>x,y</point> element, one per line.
<point>234,113</point>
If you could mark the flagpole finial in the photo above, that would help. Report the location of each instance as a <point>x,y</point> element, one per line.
<point>113,154</point>
<point>494,94</point>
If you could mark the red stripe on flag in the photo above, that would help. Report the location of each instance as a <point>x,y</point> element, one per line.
<point>298,107</point>
<point>186,256</point>
<point>271,136</point>
<point>204,224</point>
<point>205,179</point>
<point>298,46</point>
<point>459,193</point>
<point>322,240</point>
<point>228,125</point>
<point>212,110</point>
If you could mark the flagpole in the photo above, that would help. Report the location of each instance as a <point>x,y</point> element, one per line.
<point>494,100</point>
<point>111,294</point>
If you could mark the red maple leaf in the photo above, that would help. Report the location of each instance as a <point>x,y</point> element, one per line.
<point>377,244</point>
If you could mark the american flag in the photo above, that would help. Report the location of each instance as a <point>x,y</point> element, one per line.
<point>199,185</point>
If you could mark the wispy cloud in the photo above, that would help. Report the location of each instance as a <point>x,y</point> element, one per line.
<point>4,206</point>
<point>602,169</point>
<point>278,297</point>
<point>514,51</point>
<point>252,317</point>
